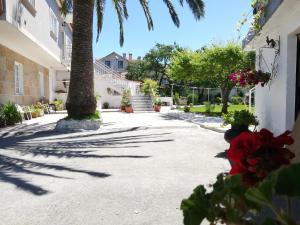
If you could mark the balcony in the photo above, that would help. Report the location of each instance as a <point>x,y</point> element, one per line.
<point>269,10</point>
<point>66,55</point>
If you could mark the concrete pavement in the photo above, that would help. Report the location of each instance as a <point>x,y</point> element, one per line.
<point>134,171</point>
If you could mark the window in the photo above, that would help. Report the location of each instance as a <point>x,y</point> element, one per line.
<point>120,64</point>
<point>42,85</point>
<point>53,26</point>
<point>30,6</point>
<point>19,89</point>
<point>107,63</point>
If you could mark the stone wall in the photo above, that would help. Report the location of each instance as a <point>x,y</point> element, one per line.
<point>31,82</point>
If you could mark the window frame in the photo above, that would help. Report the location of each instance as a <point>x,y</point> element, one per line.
<point>109,62</point>
<point>30,6</point>
<point>54,25</point>
<point>120,62</point>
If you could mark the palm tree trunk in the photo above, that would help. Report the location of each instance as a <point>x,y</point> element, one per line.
<point>81,98</point>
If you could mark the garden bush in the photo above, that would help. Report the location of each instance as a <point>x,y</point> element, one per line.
<point>218,100</point>
<point>105,105</point>
<point>176,98</point>
<point>236,100</point>
<point>9,114</point>
<point>59,105</point>
<point>187,108</point>
<point>191,97</point>
<point>149,87</point>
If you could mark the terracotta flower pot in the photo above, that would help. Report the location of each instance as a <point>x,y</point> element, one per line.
<point>157,108</point>
<point>129,109</point>
<point>122,108</point>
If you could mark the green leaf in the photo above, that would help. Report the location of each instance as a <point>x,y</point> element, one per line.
<point>288,181</point>
<point>195,208</point>
<point>261,194</point>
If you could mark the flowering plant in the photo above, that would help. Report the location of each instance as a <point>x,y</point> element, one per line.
<point>255,155</point>
<point>250,78</point>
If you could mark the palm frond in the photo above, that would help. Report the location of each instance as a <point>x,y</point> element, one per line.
<point>172,12</point>
<point>145,6</point>
<point>120,13</point>
<point>197,7</point>
<point>66,6</point>
<point>100,4</point>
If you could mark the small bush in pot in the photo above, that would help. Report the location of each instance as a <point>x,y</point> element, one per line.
<point>126,102</point>
<point>239,121</point>
<point>157,104</point>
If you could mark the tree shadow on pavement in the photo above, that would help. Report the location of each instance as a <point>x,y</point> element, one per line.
<point>42,141</point>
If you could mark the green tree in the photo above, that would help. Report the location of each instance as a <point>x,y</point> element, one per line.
<point>158,59</point>
<point>137,71</point>
<point>81,99</point>
<point>211,67</point>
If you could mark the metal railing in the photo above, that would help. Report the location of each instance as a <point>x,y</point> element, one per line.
<point>115,78</point>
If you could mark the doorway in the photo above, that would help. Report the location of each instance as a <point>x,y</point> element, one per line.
<point>297,105</point>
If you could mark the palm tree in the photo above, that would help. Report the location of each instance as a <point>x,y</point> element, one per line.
<point>81,99</point>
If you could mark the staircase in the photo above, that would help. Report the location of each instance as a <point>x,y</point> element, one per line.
<point>117,81</point>
<point>142,103</point>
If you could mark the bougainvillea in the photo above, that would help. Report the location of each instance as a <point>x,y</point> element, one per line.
<point>255,155</point>
<point>250,78</point>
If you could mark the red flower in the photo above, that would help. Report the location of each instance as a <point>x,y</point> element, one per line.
<point>255,155</point>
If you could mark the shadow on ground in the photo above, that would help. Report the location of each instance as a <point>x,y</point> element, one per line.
<point>41,140</point>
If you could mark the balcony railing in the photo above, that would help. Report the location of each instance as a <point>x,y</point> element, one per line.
<point>66,55</point>
<point>268,12</point>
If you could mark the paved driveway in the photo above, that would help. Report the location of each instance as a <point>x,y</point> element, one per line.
<point>135,171</point>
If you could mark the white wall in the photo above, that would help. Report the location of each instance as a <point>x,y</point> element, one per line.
<point>275,105</point>
<point>37,27</point>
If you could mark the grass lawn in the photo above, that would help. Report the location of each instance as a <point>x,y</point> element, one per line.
<point>216,109</point>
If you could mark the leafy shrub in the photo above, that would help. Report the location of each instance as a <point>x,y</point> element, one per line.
<point>218,100</point>
<point>177,98</point>
<point>236,100</point>
<point>105,105</point>
<point>10,114</point>
<point>59,105</point>
<point>157,101</point>
<point>187,108</point>
<point>230,202</point>
<point>2,117</point>
<point>240,118</point>
<point>191,97</point>
<point>126,98</point>
<point>149,87</point>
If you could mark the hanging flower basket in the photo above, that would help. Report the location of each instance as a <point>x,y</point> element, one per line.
<point>250,78</point>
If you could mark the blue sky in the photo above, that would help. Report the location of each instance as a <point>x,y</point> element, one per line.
<point>219,25</point>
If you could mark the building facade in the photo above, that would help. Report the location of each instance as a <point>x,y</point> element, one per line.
<point>34,49</point>
<point>117,62</point>
<point>277,105</point>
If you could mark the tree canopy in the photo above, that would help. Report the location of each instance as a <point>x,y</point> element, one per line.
<point>211,66</point>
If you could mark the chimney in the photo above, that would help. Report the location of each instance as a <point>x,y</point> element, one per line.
<point>130,56</point>
<point>124,55</point>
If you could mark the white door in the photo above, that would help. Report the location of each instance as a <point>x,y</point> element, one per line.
<point>42,85</point>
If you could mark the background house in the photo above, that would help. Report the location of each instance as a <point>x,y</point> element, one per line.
<point>34,50</point>
<point>277,106</point>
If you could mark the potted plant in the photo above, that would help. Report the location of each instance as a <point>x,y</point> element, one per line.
<point>126,102</point>
<point>240,122</point>
<point>157,104</point>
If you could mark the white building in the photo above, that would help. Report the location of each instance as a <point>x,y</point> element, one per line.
<point>34,49</point>
<point>277,105</point>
